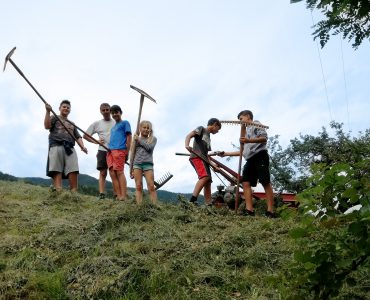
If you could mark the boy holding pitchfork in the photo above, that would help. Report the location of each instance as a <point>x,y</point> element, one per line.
<point>257,163</point>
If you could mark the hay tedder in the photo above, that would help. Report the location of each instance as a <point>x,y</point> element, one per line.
<point>225,196</point>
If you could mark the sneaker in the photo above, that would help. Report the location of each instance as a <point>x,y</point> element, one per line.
<point>101,196</point>
<point>250,213</point>
<point>270,214</point>
<point>193,199</point>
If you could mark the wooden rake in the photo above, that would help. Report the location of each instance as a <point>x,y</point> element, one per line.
<point>163,180</point>
<point>243,126</point>
<point>247,124</point>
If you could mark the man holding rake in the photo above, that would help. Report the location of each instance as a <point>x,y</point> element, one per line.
<point>199,158</point>
<point>62,157</point>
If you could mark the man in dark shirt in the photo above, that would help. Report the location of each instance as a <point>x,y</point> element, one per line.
<point>62,157</point>
<point>201,146</point>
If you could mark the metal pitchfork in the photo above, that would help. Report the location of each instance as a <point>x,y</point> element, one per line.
<point>8,59</point>
<point>133,144</point>
<point>165,178</point>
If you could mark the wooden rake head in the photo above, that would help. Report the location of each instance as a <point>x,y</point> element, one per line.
<point>258,125</point>
<point>163,180</point>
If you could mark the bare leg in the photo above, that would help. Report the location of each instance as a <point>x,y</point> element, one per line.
<point>122,185</point>
<point>247,190</point>
<point>138,175</point>
<point>115,183</point>
<point>73,181</point>
<point>57,181</point>
<point>269,197</point>
<point>200,185</point>
<point>102,177</point>
<point>207,192</point>
<point>149,177</point>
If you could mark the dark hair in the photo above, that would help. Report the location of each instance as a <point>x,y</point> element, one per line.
<point>65,102</point>
<point>115,108</point>
<point>214,121</point>
<point>104,104</point>
<point>245,113</point>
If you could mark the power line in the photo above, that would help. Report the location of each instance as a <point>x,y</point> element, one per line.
<point>322,72</point>
<point>345,84</point>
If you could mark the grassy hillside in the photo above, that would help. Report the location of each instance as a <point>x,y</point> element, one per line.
<point>71,246</point>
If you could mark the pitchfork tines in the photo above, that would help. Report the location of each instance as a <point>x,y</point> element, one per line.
<point>255,124</point>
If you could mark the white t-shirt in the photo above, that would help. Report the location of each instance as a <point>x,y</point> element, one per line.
<point>102,128</point>
<point>251,149</point>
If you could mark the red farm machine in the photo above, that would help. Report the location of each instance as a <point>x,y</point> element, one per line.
<point>226,195</point>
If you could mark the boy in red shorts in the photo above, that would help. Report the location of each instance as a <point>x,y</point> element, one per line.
<point>201,145</point>
<point>119,143</point>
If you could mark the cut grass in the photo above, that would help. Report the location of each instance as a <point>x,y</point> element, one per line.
<point>71,246</point>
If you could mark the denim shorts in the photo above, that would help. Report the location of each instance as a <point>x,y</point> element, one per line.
<point>143,166</point>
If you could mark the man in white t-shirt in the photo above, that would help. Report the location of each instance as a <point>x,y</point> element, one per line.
<point>102,128</point>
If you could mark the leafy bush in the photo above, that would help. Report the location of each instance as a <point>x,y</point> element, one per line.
<point>333,236</point>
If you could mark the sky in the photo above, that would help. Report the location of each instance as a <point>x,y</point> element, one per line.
<point>197,58</point>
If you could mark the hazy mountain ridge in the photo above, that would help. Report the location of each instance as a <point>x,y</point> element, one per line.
<point>87,185</point>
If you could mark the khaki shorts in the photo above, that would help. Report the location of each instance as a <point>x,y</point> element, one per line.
<point>60,162</point>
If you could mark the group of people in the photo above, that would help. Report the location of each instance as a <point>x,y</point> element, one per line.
<point>256,168</point>
<point>115,139</point>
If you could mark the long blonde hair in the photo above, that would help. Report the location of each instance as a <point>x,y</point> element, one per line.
<point>150,136</point>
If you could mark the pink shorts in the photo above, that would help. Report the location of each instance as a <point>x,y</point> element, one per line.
<point>116,159</point>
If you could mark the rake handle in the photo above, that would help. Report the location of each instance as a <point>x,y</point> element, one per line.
<point>237,196</point>
<point>133,144</point>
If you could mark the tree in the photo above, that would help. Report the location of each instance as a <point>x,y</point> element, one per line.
<point>351,18</point>
<point>291,167</point>
<point>333,238</point>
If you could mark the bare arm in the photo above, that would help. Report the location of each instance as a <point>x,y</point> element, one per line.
<point>89,139</point>
<point>128,141</point>
<point>47,119</point>
<point>188,138</point>
<point>234,153</point>
<point>144,144</point>
<point>81,144</point>
<point>261,139</point>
